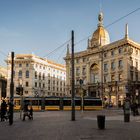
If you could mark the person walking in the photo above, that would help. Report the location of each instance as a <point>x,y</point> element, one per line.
<point>25,111</point>
<point>31,113</point>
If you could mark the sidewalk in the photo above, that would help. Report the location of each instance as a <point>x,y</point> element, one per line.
<point>57,125</point>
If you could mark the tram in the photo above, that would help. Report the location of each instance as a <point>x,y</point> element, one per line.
<point>58,103</point>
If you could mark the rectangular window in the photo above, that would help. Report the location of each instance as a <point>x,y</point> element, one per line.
<point>120,50</point>
<point>20,65</point>
<point>112,53</point>
<point>113,77</point>
<point>112,65</point>
<point>136,74</point>
<point>35,84</point>
<point>40,85</point>
<point>131,75</point>
<point>105,78</point>
<point>120,77</point>
<point>120,64</point>
<point>77,71</point>
<point>84,71</point>
<point>27,65</point>
<point>136,65</point>
<point>27,84</point>
<point>105,67</point>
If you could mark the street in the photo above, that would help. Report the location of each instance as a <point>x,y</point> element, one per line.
<point>57,125</point>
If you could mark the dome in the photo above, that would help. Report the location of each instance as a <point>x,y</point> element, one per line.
<point>100,36</point>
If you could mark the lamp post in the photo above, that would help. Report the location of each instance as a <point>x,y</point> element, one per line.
<point>20,87</point>
<point>82,94</point>
<point>116,93</point>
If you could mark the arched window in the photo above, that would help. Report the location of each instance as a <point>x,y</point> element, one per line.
<point>27,74</point>
<point>20,74</point>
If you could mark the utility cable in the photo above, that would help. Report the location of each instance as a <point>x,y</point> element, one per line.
<point>57,48</point>
<point>110,24</point>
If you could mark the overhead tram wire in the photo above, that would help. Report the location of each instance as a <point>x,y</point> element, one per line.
<point>61,54</point>
<point>57,48</point>
<point>110,24</point>
<point>90,35</point>
<point>3,53</point>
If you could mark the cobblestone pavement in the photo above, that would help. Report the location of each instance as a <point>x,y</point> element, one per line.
<point>57,125</point>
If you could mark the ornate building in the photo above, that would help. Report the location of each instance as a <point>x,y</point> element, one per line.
<point>107,70</point>
<point>39,77</point>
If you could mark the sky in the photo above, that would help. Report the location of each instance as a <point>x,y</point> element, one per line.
<point>41,26</point>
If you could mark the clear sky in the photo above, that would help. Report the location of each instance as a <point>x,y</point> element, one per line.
<point>40,26</point>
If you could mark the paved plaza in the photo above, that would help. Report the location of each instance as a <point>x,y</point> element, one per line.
<point>57,125</point>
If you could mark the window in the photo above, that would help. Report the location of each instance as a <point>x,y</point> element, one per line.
<point>35,84</point>
<point>35,75</point>
<point>39,76</point>
<point>43,76</point>
<point>112,65</point>
<point>136,52</point>
<point>120,50</point>
<point>49,81</point>
<point>27,65</point>
<point>105,54</point>
<point>27,74</point>
<point>131,75</point>
<point>20,74</point>
<point>113,77</point>
<point>94,78</point>
<point>27,84</point>
<point>20,65</point>
<point>136,65</point>
<point>40,85</point>
<point>84,59</point>
<point>77,60</point>
<point>84,71</point>
<point>105,67</point>
<point>136,74</point>
<point>26,92</point>
<point>120,77</point>
<point>112,53</point>
<point>120,63</point>
<point>43,85</point>
<point>77,71</point>
<point>105,78</point>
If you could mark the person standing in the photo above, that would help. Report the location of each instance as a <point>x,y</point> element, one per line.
<point>3,110</point>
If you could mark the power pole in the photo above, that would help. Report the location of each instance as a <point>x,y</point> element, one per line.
<point>72,79</point>
<point>11,91</point>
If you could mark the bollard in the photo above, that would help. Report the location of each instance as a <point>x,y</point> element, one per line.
<point>101,121</point>
<point>126,117</point>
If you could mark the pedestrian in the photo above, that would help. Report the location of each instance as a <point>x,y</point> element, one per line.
<point>25,111</point>
<point>31,113</point>
<point>3,110</point>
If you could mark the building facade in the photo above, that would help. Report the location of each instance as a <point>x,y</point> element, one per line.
<point>39,77</point>
<point>3,82</point>
<point>107,70</point>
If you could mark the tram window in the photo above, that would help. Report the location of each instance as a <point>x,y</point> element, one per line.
<point>17,102</point>
<point>77,102</point>
<point>52,102</point>
<point>67,102</point>
<point>93,102</point>
<point>36,102</point>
